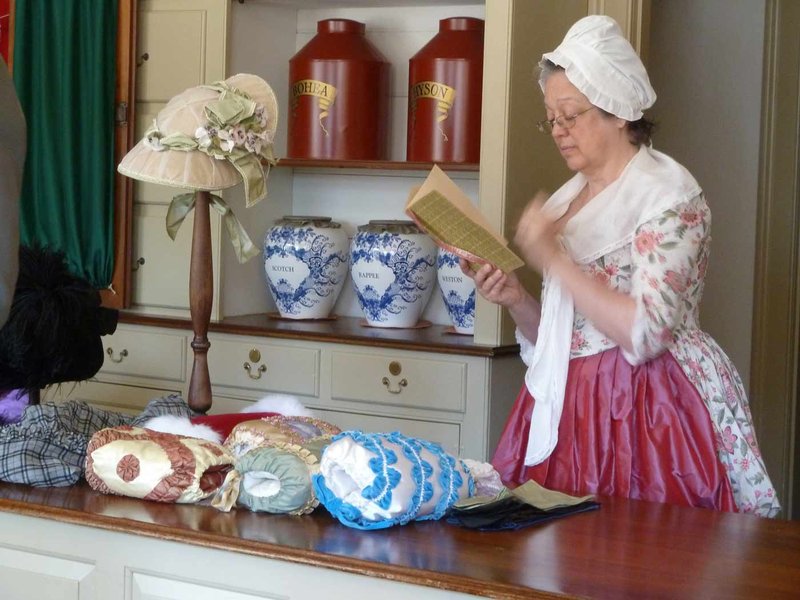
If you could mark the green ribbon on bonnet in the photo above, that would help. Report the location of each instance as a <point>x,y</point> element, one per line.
<point>236,131</point>
<point>182,204</point>
<point>236,108</point>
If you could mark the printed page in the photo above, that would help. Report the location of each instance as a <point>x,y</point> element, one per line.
<point>446,214</point>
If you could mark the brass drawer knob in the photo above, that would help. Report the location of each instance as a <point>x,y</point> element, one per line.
<point>395,368</point>
<point>400,385</point>
<point>123,353</point>
<point>255,356</point>
<point>257,374</point>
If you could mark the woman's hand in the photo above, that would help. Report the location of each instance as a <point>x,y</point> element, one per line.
<point>497,287</point>
<point>506,290</point>
<point>536,235</point>
<point>611,311</point>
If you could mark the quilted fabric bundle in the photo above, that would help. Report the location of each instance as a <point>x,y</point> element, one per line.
<point>273,479</point>
<point>147,464</point>
<point>377,480</point>
<point>275,459</point>
<point>278,429</point>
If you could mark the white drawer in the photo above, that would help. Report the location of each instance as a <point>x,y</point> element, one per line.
<point>260,367</point>
<point>117,398</point>
<point>446,434</point>
<point>144,354</point>
<point>397,380</point>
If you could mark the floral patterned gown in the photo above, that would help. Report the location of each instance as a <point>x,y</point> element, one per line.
<point>677,427</point>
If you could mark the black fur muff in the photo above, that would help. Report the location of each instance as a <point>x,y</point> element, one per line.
<point>55,324</point>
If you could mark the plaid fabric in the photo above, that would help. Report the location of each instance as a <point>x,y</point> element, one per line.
<point>173,404</point>
<point>47,448</point>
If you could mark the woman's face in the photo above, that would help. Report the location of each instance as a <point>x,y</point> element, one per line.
<point>593,139</point>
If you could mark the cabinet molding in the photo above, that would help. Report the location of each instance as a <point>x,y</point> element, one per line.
<point>776,311</point>
<point>119,293</point>
<point>632,15</point>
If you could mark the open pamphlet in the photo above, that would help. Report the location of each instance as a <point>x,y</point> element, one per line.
<point>445,213</point>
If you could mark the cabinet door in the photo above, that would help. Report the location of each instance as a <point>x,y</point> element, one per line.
<point>181,44</point>
<point>31,575</point>
<point>185,43</point>
<point>632,15</point>
<point>161,267</point>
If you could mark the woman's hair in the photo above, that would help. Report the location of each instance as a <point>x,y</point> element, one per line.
<point>547,68</point>
<point>639,131</point>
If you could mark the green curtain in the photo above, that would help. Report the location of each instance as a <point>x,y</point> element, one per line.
<point>64,71</point>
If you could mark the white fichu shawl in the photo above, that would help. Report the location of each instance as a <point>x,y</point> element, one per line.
<point>650,184</point>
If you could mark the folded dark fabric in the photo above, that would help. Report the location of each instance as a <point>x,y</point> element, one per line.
<point>512,513</point>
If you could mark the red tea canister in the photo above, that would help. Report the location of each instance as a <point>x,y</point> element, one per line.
<point>338,96</point>
<point>445,80</point>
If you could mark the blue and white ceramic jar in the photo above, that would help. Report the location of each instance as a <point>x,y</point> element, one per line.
<point>393,269</point>
<point>458,292</point>
<point>305,261</point>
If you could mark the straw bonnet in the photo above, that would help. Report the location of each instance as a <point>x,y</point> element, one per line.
<point>599,61</point>
<point>210,137</point>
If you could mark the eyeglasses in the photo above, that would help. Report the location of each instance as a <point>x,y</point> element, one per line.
<point>567,122</point>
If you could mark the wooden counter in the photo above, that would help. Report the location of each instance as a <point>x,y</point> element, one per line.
<point>625,549</point>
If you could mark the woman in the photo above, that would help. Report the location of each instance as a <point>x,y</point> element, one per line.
<point>624,395</point>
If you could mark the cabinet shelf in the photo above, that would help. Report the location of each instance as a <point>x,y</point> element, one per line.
<point>374,165</point>
<point>344,330</point>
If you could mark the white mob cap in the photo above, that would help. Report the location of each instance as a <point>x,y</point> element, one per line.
<point>602,64</point>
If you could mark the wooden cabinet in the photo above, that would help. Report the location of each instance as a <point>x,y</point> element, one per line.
<point>459,397</point>
<point>187,43</point>
<point>219,38</point>
<point>43,558</point>
<point>458,400</point>
<point>180,44</point>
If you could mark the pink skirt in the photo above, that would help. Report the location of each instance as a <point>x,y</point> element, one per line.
<point>637,432</point>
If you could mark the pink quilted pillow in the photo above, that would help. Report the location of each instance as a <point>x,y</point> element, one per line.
<point>147,464</point>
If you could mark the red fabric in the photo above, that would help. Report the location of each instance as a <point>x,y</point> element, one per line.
<point>224,424</point>
<point>637,432</point>
<point>5,28</point>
